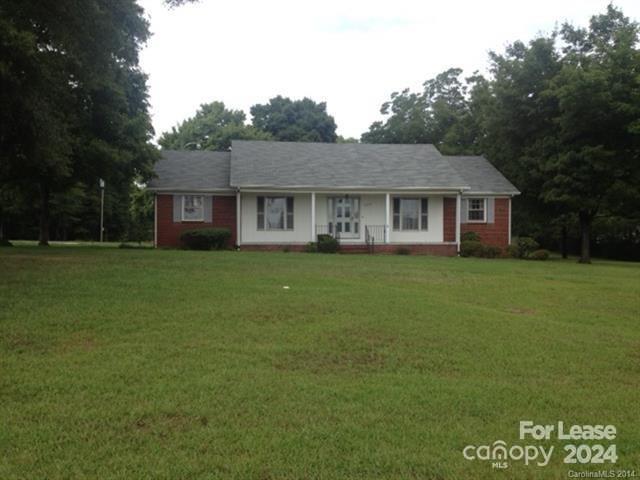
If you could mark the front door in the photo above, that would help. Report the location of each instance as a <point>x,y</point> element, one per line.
<point>346,216</point>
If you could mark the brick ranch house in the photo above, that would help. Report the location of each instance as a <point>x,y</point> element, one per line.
<point>273,195</point>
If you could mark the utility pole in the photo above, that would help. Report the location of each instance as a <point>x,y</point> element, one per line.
<point>102,184</point>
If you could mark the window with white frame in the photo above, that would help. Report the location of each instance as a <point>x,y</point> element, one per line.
<point>476,210</point>
<point>192,208</point>
<point>275,213</point>
<point>410,214</point>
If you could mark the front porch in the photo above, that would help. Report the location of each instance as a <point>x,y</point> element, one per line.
<point>272,220</point>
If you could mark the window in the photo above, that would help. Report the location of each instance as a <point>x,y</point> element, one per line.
<point>192,208</point>
<point>410,213</point>
<point>476,210</point>
<point>275,213</point>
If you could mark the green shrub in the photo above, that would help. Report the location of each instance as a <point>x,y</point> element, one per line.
<point>403,251</point>
<point>5,243</point>
<point>474,248</point>
<point>311,247</point>
<point>523,247</point>
<point>471,248</point>
<point>206,238</point>
<point>513,250</point>
<point>491,251</point>
<point>541,254</point>
<point>286,249</point>
<point>470,236</point>
<point>327,244</point>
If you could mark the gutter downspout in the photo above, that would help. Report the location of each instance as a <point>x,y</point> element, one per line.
<point>510,198</point>
<point>238,219</point>
<point>387,213</point>
<point>313,216</point>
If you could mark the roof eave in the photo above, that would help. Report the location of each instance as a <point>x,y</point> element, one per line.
<point>191,190</point>
<point>502,193</point>
<point>318,188</point>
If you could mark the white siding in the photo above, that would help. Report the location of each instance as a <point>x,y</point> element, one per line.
<point>301,220</point>
<point>372,212</point>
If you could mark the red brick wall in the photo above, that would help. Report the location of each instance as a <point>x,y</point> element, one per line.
<point>223,215</point>
<point>496,233</point>
<point>449,227</point>
<point>415,249</point>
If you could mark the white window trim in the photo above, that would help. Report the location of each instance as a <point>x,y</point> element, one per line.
<point>201,219</point>
<point>286,214</point>
<point>420,214</point>
<point>484,210</point>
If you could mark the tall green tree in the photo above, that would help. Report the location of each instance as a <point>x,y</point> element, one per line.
<point>211,128</point>
<point>516,117</point>
<point>439,114</point>
<point>594,164</point>
<point>75,99</point>
<point>141,212</point>
<point>295,120</point>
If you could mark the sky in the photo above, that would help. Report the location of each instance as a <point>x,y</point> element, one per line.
<point>350,54</point>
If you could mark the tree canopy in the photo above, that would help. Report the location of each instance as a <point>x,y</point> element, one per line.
<point>592,164</point>
<point>212,128</point>
<point>74,98</point>
<point>295,120</point>
<point>429,116</point>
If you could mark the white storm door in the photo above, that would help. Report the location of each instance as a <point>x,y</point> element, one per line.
<point>346,216</point>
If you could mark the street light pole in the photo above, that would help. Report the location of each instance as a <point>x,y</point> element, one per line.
<point>102,184</point>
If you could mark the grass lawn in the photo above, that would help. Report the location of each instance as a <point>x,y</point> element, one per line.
<point>174,364</point>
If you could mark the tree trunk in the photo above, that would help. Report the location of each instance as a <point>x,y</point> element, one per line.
<point>585,236</point>
<point>563,244</point>
<point>44,214</point>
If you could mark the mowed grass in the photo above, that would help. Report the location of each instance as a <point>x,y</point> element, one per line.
<point>175,364</point>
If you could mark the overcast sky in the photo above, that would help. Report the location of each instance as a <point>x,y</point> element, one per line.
<point>350,54</point>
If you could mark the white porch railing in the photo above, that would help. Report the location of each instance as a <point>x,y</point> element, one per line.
<point>375,234</point>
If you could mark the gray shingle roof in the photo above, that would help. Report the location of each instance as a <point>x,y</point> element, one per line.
<point>325,165</point>
<point>191,171</point>
<point>481,176</point>
<point>340,165</point>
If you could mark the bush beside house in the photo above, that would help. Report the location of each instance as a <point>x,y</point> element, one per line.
<point>475,248</point>
<point>522,247</point>
<point>206,239</point>
<point>327,244</point>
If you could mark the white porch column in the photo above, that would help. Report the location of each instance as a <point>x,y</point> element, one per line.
<point>510,220</point>
<point>458,216</point>
<point>313,216</point>
<point>238,219</point>
<point>387,212</point>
